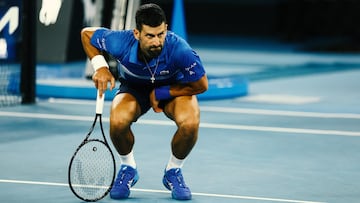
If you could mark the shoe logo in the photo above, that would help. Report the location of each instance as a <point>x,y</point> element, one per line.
<point>170,185</point>
<point>130,183</point>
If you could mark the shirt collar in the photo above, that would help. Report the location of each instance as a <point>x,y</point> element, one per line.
<point>133,53</point>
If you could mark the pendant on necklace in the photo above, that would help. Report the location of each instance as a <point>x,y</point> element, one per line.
<point>152,79</point>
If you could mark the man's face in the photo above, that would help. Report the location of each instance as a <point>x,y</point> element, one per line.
<point>151,39</point>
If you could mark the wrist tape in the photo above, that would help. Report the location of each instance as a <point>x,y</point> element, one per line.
<point>163,93</point>
<point>98,61</point>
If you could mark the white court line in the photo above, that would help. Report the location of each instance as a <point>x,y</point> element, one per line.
<point>280,99</point>
<point>165,191</point>
<point>237,110</point>
<point>170,123</point>
<point>279,112</point>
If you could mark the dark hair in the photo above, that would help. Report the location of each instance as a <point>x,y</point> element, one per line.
<point>149,14</point>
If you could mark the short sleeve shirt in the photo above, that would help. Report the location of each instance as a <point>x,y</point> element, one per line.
<point>177,62</point>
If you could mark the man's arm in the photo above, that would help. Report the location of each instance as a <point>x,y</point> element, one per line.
<point>191,88</point>
<point>86,34</point>
<point>102,74</point>
<point>175,90</point>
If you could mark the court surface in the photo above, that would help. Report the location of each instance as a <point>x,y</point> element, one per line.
<point>294,138</point>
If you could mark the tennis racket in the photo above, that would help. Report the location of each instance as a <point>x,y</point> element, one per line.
<point>92,167</point>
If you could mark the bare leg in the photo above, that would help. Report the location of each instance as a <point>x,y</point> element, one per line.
<point>186,114</point>
<point>124,111</point>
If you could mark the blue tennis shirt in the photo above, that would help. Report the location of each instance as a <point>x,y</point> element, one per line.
<point>178,62</point>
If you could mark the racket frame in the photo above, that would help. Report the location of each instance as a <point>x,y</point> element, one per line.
<point>98,117</point>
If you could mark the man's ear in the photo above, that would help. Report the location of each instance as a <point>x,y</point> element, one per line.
<point>136,33</point>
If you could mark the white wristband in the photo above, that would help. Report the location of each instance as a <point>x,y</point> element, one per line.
<point>98,61</point>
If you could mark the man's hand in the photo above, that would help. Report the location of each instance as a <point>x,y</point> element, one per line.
<point>155,103</point>
<point>101,78</point>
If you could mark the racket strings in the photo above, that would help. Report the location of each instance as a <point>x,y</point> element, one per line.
<point>92,170</point>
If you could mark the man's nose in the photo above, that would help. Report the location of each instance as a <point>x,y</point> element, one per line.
<point>156,41</point>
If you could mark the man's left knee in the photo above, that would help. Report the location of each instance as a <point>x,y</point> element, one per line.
<point>189,126</point>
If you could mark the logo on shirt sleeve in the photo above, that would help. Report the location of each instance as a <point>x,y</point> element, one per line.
<point>101,43</point>
<point>188,69</point>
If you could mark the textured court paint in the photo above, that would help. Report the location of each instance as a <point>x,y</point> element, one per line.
<point>165,191</point>
<point>203,124</point>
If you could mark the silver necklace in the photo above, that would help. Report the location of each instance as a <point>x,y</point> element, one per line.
<point>152,79</point>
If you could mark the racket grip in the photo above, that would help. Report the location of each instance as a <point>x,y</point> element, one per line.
<point>99,103</point>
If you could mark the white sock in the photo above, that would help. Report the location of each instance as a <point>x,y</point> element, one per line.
<point>128,159</point>
<point>174,163</point>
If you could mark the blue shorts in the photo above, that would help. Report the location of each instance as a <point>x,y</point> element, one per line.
<point>141,94</point>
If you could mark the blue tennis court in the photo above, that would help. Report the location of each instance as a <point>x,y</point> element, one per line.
<point>295,136</point>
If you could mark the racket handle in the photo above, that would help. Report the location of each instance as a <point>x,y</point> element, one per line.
<point>99,103</point>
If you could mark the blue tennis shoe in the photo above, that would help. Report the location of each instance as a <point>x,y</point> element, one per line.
<point>174,181</point>
<point>126,178</point>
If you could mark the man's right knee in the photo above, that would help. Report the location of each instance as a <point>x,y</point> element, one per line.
<point>124,111</point>
<point>120,123</point>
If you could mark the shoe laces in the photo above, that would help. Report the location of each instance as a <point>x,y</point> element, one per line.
<point>123,176</point>
<point>179,178</point>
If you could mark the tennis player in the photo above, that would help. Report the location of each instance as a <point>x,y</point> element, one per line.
<point>157,70</point>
